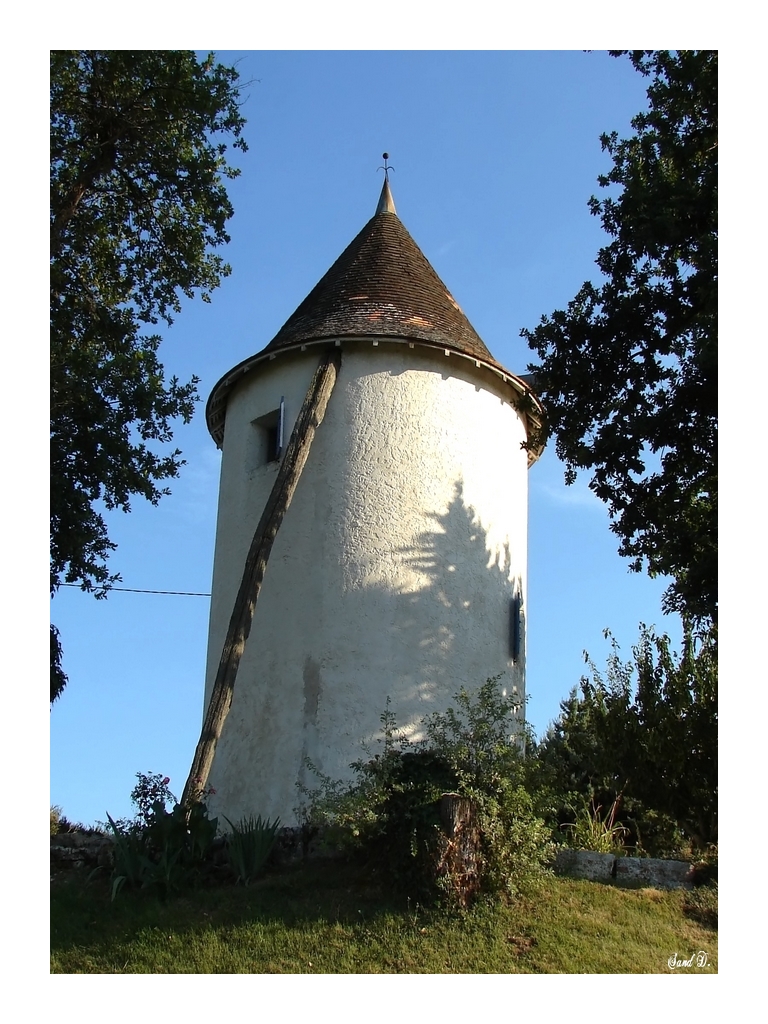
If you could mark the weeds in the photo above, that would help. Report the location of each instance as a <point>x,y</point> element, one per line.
<point>701,905</point>
<point>591,831</point>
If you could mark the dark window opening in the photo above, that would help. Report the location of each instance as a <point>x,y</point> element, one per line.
<point>270,430</point>
<point>273,443</point>
<point>515,607</point>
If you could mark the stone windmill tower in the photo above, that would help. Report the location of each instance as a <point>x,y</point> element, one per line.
<point>399,569</point>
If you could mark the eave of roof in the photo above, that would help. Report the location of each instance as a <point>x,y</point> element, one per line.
<point>520,392</point>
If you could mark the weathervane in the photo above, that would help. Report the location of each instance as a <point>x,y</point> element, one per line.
<point>385,168</point>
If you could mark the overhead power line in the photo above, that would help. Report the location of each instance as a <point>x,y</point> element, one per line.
<point>135,590</point>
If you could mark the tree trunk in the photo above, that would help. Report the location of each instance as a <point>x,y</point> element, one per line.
<point>456,812</point>
<point>309,419</point>
<point>459,859</point>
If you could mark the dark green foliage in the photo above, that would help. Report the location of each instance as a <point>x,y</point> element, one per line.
<point>645,737</point>
<point>483,739</point>
<point>390,813</point>
<point>138,203</point>
<point>405,838</point>
<point>151,788</point>
<point>58,676</point>
<point>160,849</point>
<point>389,816</point>
<point>628,371</point>
<point>167,854</point>
<point>677,704</point>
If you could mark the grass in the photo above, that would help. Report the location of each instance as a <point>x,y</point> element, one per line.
<point>330,918</point>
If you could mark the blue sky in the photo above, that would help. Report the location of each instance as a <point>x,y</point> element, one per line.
<point>495,154</point>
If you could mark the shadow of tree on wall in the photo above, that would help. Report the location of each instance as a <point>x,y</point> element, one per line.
<point>468,581</point>
<point>425,629</point>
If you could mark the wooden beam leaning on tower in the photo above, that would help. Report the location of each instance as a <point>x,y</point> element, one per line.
<point>309,419</point>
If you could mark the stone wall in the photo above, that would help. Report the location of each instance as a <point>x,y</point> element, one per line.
<point>89,850</point>
<point>80,850</point>
<point>630,871</point>
<point>93,849</point>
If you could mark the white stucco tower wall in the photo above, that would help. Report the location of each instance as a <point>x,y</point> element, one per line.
<point>398,571</point>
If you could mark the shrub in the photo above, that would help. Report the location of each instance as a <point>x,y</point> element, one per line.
<point>148,791</point>
<point>391,811</point>
<point>645,730</point>
<point>160,849</point>
<point>406,834</point>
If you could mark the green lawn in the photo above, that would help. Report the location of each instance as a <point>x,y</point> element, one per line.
<point>332,919</point>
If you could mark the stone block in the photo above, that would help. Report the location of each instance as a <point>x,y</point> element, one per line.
<point>659,874</point>
<point>598,867</point>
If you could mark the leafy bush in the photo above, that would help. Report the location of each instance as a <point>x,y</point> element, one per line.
<point>160,849</point>
<point>148,791</point>
<point>404,839</point>
<point>646,730</point>
<point>249,844</point>
<point>484,743</point>
<point>391,811</point>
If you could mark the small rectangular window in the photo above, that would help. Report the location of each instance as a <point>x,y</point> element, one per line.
<point>270,433</point>
<point>514,627</point>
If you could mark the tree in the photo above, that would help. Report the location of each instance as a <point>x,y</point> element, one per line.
<point>628,371</point>
<point>645,734</point>
<point>58,675</point>
<point>138,203</point>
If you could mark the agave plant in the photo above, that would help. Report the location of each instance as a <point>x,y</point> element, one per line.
<point>249,844</point>
<point>131,861</point>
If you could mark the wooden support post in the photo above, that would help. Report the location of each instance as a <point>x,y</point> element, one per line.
<point>309,419</point>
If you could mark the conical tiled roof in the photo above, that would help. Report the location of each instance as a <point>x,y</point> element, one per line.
<point>382,285</point>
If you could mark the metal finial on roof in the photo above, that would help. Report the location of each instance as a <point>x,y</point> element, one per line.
<point>386,202</point>
<point>386,168</point>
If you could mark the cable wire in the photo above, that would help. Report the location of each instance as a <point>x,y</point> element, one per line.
<point>134,590</point>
